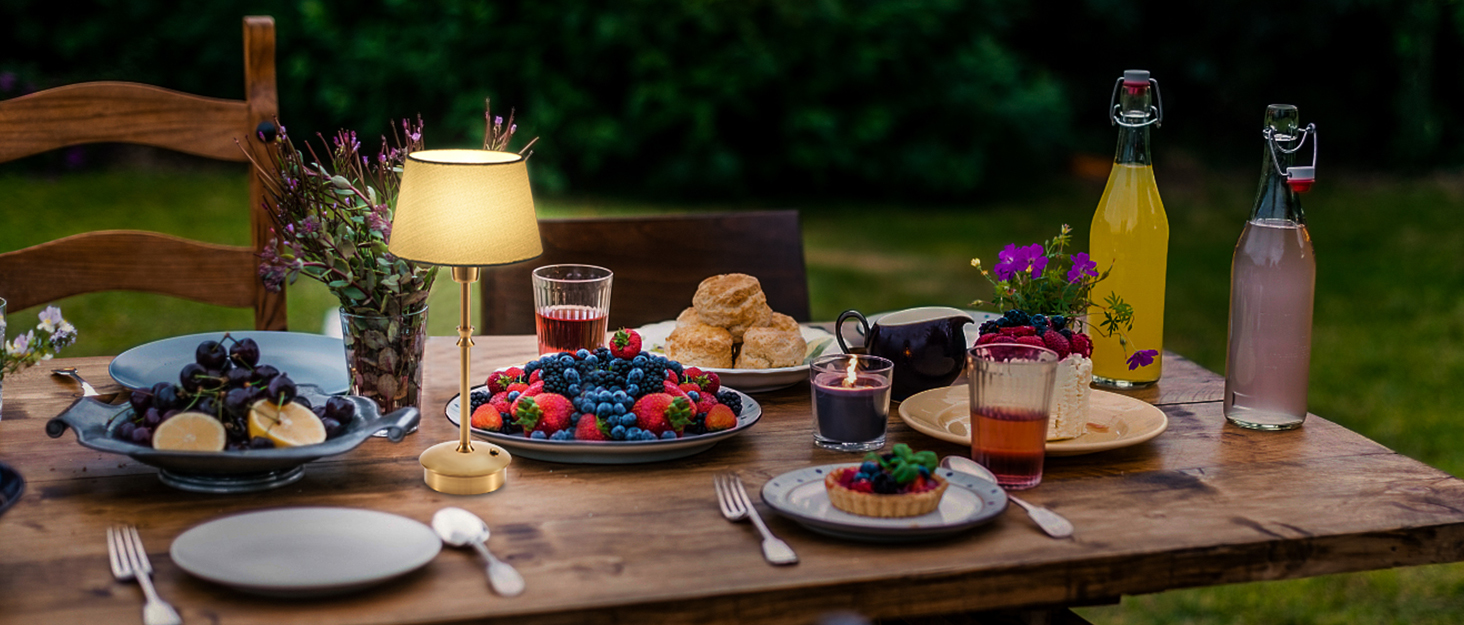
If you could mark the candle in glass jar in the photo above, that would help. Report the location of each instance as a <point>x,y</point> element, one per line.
<point>851,407</point>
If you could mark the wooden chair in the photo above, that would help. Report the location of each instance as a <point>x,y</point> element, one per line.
<point>144,261</point>
<point>658,262</point>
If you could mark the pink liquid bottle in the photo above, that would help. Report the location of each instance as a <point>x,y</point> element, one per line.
<point>1272,280</point>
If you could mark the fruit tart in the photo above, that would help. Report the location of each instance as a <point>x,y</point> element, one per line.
<point>901,483</point>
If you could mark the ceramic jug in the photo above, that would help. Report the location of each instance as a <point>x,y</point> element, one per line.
<point>927,345</point>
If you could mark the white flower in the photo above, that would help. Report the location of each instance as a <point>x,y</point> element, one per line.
<point>50,318</point>
<point>21,345</point>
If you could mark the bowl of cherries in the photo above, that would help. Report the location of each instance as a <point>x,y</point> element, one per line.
<point>231,423</point>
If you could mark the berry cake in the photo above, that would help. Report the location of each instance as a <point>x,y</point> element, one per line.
<point>897,484</point>
<point>1072,389</point>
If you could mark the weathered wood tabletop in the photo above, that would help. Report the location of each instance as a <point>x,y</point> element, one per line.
<point>1205,503</point>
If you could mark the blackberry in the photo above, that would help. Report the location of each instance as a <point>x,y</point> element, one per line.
<point>885,485</point>
<point>1016,317</point>
<point>1066,333</point>
<point>731,400</point>
<point>1058,322</point>
<point>478,398</point>
<point>511,427</point>
<point>990,327</point>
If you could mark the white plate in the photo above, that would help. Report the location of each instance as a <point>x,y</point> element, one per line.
<point>613,452</point>
<point>800,495</point>
<point>300,552</point>
<point>653,338</point>
<point>1114,420</point>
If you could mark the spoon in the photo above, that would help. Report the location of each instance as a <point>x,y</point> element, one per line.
<point>1050,522</point>
<point>460,528</point>
<point>70,372</point>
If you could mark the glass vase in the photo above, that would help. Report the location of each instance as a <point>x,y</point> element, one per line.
<point>384,355</point>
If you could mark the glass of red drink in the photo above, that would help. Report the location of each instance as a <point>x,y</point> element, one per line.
<point>1011,391</point>
<point>571,306</point>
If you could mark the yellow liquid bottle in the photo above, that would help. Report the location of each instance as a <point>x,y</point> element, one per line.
<point>1130,233</point>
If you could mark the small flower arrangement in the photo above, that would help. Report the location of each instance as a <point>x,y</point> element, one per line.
<point>1042,279</point>
<point>40,344</point>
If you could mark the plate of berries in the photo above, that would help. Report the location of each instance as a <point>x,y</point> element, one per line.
<point>606,408</point>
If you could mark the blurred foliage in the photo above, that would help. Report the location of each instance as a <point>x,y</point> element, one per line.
<point>830,98</point>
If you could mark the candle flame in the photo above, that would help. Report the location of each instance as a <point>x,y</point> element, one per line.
<point>850,375</point>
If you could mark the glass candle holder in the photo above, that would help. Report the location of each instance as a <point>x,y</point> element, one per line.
<point>851,401</point>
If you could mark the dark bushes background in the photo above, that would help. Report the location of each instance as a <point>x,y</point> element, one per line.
<point>844,98</point>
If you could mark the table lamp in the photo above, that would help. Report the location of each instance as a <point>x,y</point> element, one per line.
<point>465,209</point>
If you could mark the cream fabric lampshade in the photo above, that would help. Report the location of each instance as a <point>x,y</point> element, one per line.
<point>465,208</point>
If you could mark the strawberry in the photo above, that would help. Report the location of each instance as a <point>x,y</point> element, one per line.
<point>720,418</point>
<point>1056,342</point>
<point>498,381</point>
<point>672,377</point>
<point>706,380</point>
<point>487,417</point>
<point>1030,340</point>
<point>518,386</point>
<point>625,344</point>
<point>987,339</point>
<point>1082,345</point>
<point>535,376</point>
<point>658,413</point>
<point>533,389</point>
<point>705,401</point>
<point>545,412</point>
<point>590,428</point>
<point>500,401</point>
<point>670,388</point>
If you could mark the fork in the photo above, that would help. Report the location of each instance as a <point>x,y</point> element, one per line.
<point>736,506</point>
<point>70,372</point>
<point>129,561</point>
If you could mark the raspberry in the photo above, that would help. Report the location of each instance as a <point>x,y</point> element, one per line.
<point>993,338</point>
<point>1082,345</point>
<point>1019,331</point>
<point>1031,340</point>
<point>1057,343</point>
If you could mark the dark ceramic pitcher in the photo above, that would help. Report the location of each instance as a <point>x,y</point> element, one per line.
<point>927,345</point>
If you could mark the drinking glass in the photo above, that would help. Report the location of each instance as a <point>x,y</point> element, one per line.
<point>851,401</point>
<point>571,307</point>
<point>1011,395</point>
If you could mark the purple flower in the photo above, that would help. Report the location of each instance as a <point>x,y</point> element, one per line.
<point>1036,260</point>
<point>1082,266</point>
<point>1007,262</point>
<point>1012,260</point>
<point>1142,358</point>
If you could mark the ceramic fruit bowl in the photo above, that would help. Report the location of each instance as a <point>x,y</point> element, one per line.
<point>240,471</point>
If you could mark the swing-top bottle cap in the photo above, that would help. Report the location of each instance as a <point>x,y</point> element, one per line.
<point>1136,77</point>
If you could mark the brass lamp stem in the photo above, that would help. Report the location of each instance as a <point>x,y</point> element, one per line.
<point>464,276</point>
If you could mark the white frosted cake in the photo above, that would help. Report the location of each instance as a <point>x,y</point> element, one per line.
<point>1070,395</point>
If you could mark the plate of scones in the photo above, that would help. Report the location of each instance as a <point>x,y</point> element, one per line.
<point>729,329</point>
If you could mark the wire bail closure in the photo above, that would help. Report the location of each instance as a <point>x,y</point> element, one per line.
<point>1155,116</point>
<point>1300,178</point>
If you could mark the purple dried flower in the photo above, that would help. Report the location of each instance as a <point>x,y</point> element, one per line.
<point>1082,266</point>
<point>1142,358</point>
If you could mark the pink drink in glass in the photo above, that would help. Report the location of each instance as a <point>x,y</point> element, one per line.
<point>1273,276</point>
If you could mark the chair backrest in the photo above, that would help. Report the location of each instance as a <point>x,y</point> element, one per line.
<point>658,262</point>
<point>144,261</point>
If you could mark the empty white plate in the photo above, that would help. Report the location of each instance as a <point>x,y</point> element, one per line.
<point>298,552</point>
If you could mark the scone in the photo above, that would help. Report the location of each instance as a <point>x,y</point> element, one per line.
<point>689,317</point>
<point>700,346</point>
<point>759,318</point>
<point>780,321</point>
<point>767,348</point>
<point>734,301</point>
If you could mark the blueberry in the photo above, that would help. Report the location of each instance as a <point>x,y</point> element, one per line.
<point>512,395</point>
<point>632,390</point>
<point>668,435</point>
<point>617,432</point>
<point>640,359</point>
<point>619,396</point>
<point>869,467</point>
<point>571,376</point>
<point>628,419</point>
<point>539,434</point>
<point>574,389</point>
<point>695,396</point>
<point>617,408</point>
<point>633,432</point>
<point>635,376</point>
<point>582,354</point>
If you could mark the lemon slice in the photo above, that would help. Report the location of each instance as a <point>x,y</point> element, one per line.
<point>290,425</point>
<point>190,431</point>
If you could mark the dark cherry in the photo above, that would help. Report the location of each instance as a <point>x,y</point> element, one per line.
<point>260,442</point>
<point>142,436</point>
<point>140,400</point>
<point>281,389</point>
<point>191,377</point>
<point>340,409</point>
<point>333,428</point>
<point>165,396</point>
<point>244,352</point>
<point>211,354</point>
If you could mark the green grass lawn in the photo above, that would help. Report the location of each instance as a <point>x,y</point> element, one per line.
<point>1387,348</point>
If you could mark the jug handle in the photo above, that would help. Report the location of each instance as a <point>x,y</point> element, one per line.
<point>839,327</point>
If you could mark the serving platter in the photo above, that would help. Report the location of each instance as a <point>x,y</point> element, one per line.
<point>613,452</point>
<point>313,359</point>
<point>801,496</point>
<point>653,338</point>
<point>1114,421</point>
<point>305,552</point>
<point>240,471</point>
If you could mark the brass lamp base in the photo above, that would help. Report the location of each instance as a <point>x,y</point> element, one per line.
<point>482,468</point>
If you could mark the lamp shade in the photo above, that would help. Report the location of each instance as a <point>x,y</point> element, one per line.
<point>465,208</point>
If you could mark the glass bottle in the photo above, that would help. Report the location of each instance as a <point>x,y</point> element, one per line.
<point>1130,234</point>
<point>1272,279</point>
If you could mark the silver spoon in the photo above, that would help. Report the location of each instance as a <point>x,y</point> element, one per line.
<point>70,372</point>
<point>1050,522</point>
<point>459,528</point>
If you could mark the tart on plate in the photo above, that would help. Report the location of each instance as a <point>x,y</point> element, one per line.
<point>901,483</point>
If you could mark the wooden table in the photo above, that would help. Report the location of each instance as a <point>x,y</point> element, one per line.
<point>1205,503</point>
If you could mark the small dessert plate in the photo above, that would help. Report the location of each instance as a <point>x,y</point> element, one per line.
<point>801,496</point>
<point>1114,420</point>
<point>819,342</point>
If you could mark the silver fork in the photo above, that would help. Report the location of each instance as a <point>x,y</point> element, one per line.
<point>129,561</point>
<point>736,506</point>
<point>70,372</point>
